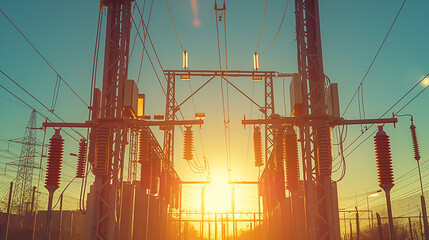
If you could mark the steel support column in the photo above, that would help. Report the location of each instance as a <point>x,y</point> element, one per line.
<point>108,183</point>
<point>315,136</point>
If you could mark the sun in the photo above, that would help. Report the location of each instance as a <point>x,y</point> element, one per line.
<point>218,196</point>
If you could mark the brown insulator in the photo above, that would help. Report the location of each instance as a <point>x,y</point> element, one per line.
<point>156,171</point>
<point>144,146</point>
<point>55,159</point>
<point>154,188</point>
<point>188,144</point>
<point>415,142</point>
<point>257,146</point>
<point>291,159</point>
<point>146,170</point>
<point>324,148</point>
<point>384,159</point>
<point>81,158</point>
<point>279,149</point>
<point>102,150</point>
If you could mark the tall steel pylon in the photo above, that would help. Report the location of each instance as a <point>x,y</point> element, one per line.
<point>24,176</point>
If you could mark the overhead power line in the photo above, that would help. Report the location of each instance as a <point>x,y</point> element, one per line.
<point>26,104</point>
<point>175,30</point>
<point>375,57</point>
<point>37,100</point>
<point>280,27</point>
<point>388,110</point>
<point>262,25</point>
<point>44,59</point>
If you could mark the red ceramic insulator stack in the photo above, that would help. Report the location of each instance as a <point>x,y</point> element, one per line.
<point>81,158</point>
<point>55,159</point>
<point>324,149</point>
<point>102,154</point>
<point>156,171</point>
<point>144,146</point>
<point>188,144</point>
<point>384,159</point>
<point>291,159</point>
<point>257,146</point>
<point>415,143</point>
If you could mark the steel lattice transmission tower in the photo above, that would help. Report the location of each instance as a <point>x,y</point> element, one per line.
<point>24,175</point>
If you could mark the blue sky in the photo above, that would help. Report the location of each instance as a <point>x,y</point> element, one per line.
<point>352,31</point>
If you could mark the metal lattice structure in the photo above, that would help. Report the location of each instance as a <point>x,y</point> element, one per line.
<point>317,158</point>
<point>133,155</point>
<point>24,175</point>
<point>111,142</point>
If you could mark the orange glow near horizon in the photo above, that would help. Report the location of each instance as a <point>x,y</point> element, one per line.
<point>218,196</point>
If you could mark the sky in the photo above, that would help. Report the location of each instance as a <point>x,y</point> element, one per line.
<point>352,32</point>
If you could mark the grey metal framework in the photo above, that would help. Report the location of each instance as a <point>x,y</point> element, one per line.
<point>267,109</point>
<point>24,175</point>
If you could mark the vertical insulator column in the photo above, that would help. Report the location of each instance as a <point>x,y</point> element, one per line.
<point>144,146</point>
<point>156,170</point>
<point>188,144</point>
<point>279,173</point>
<point>53,173</point>
<point>145,153</point>
<point>55,159</point>
<point>384,159</point>
<point>102,150</point>
<point>81,158</point>
<point>324,149</point>
<point>415,143</point>
<point>279,149</point>
<point>291,159</point>
<point>257,146</point>
<point>385,171</point>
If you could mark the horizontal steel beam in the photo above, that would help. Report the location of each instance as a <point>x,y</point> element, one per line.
<point>127,122</point>
<point>296,120</point>
<point>243,182</point>
<point>195,182</point>
<point>232,73</point>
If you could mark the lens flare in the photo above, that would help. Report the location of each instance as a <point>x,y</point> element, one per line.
<point>425,82</point>
<point>194,5</point>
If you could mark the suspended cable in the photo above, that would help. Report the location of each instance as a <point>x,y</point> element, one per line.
<point>135,36</point>
<point>225,107</point>
<point>280,27</point>
<point>375,57</point>
<point>260,31</point>
<point>157,57</point>
<point>62,193</point>
<point>17,84</point>
<point>44,59</point>
<point>175,30</point>
<point>145,34</point>
<point>150,60</point>
<point>387,111</point>
<point>227,94</point>
<point>26,104</point>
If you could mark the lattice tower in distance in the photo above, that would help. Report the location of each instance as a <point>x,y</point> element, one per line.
<point>22,191</point>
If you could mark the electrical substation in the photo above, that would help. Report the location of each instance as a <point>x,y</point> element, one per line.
<point>296,198</point>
